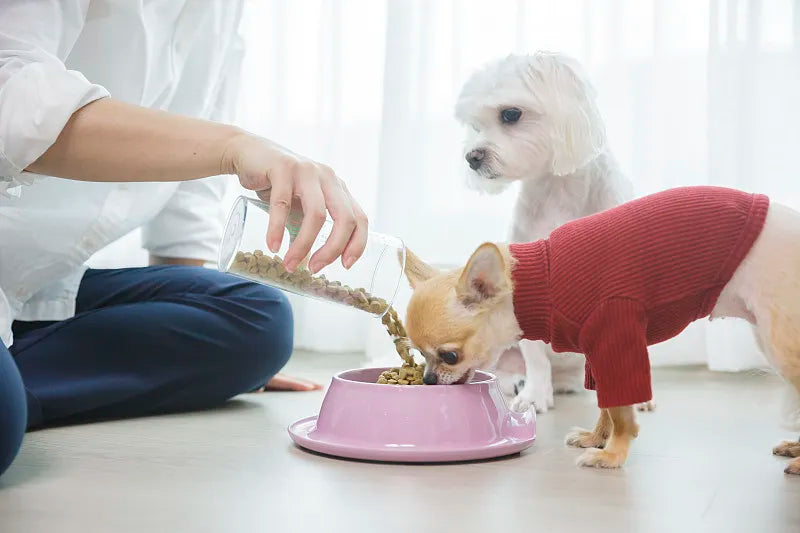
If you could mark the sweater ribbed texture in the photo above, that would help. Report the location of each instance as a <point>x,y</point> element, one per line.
<point>611,284</point>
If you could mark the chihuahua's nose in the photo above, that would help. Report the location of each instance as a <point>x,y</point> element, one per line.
<point>475,158</point>
<point>429,378</point>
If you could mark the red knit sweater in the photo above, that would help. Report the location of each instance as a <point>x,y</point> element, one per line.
<point>611,284</point>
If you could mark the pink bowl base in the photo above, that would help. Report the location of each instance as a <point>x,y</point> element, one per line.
<point>414,424</point>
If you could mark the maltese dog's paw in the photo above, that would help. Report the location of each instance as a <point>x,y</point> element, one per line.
<point>600,459</point>
<point>580,438</point>
<point>646,406</point>
<point>521,403</point>
<point>528,398</point>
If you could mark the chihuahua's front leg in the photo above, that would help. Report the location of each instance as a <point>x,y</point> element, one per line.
<point>624,430</point>
<point>538,388</point>
<point>580,438</point>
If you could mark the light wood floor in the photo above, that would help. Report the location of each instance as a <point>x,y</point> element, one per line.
<point>702,463</point>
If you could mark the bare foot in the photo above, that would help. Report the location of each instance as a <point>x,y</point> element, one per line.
<point>282,382</point>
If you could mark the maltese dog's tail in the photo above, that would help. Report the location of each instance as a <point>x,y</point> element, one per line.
<point>791,409</point>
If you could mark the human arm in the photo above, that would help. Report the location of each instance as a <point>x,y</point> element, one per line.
<point>54,121</point>
<point>108,140</point>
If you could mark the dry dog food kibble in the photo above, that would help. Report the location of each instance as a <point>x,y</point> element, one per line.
<point>257,264</point>
<point>405,375</point>
<point>410,373</point>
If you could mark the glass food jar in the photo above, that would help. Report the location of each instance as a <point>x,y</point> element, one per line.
<point>370,284</point>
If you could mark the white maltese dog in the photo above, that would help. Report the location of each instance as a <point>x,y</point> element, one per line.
<point>534,118</point>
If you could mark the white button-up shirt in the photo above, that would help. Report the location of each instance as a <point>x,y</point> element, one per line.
<point>55,57</point>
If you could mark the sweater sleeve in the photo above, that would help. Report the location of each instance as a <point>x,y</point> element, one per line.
<point>614,339</point>
<point>588,379</point>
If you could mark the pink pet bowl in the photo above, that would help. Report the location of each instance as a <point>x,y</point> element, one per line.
<point>360,419</point>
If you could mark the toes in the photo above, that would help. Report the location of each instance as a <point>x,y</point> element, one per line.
<point>793,467</point>
<point>600,459</point>
<point>787,448</point>
<point>581,438</point>
<point>521,405</point>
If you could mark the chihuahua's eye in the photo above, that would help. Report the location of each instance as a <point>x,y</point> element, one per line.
<point>449,358</point>
<point>510,115</point>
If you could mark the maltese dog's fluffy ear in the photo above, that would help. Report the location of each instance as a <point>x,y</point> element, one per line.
<point>578,135</point>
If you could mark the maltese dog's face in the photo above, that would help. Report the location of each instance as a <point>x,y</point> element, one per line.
<point>527,117</point>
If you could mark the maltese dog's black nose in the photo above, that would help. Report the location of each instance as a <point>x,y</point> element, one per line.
<point>429,378</point>
<point>475,158</point>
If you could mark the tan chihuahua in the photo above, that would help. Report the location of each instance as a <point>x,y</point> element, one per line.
<point>463,320</point>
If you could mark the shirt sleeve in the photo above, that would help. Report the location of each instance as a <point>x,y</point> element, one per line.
<point>190,225</point>
<point>38,94</point>
<point>614,340</point>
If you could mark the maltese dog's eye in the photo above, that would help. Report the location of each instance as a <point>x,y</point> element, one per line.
<point>510,115</point>
<point>449,358</point>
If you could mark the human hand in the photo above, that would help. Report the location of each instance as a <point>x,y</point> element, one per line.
<point>289,181</point>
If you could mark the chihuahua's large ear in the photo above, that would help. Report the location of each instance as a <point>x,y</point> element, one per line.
<point>484,277</point>
<point>417,270</point>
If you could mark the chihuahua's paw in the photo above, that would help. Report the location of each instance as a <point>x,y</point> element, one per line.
<point>580,438</point>
<point>787,448</point>
<point>646,406</point>
<point>601,459</point>
<point>793,467</point>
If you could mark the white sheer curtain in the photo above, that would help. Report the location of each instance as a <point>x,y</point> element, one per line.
<point>692,92</point>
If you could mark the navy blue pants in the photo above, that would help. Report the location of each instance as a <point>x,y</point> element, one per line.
<point>142,341</point>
